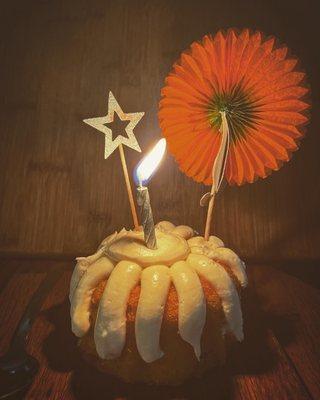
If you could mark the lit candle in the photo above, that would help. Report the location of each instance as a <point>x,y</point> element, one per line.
<point>142,175</point>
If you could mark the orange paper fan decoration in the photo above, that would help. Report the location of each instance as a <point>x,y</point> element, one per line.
<point>261,91</point>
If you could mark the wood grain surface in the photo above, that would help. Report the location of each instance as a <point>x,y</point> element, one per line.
<point>60,58</point>
<point>279,358</point>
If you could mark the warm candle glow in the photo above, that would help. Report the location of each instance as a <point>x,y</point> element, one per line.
<point>150,163</point>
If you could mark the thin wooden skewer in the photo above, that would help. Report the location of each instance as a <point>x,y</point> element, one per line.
<point>128,185</point>
<point>218,169</point>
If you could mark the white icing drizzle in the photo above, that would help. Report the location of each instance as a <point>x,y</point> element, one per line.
<point>232,260</point>
<point>81,299</point>
<point>217,276</point>
<point>110,327</point>
<point>192,306</point>
<point>155,283</point>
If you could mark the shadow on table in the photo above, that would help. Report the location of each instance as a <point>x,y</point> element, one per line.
<point>253,356</point>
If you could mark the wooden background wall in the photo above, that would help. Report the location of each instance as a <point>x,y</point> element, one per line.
<point>59,59</point>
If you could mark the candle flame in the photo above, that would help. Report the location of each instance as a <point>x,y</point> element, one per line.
<point>149,164</point>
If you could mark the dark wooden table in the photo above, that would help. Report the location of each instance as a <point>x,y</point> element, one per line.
<point>279,358</point>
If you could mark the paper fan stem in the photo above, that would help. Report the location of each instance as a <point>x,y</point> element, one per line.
<point>209,217</point>
<point>218,171</point>
<point>128,185</point>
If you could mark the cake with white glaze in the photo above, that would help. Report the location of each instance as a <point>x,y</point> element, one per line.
<point>157,316</point>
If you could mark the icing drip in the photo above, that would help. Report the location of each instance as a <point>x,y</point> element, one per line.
<point>165,226</point>
<point>230,258</point>
<point>192,306</point>
<point>81,299</point>
<point>110,328</point>
<point>184,231</point>
<point>217,276</point>
<point>81,267</point>
<point>155,283</point>
<point>83,263</point>
<point>170,248</point>
<point>198,245</point>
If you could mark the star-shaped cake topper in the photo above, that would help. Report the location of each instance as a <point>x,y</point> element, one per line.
<point>101,123</point>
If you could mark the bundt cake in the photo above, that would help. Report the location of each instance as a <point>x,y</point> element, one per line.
<point>157,316</point>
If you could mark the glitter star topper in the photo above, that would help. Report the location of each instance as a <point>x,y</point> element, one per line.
<point>100,123</point>
<point>111,143</point>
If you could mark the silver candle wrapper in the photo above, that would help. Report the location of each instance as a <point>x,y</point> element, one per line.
<point>143,201</point>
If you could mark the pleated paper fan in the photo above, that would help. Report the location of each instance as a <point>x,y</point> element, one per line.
<point>260,89</point>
